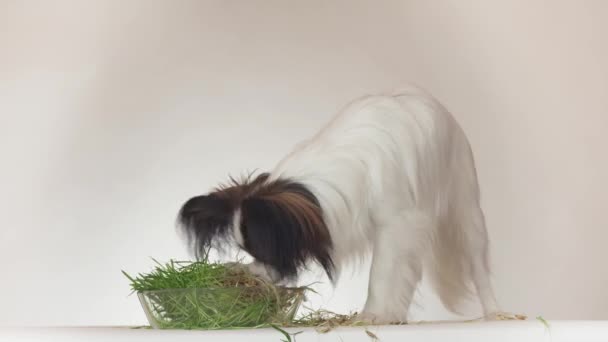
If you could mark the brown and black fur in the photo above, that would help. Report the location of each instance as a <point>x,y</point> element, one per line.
<point>281,222</point>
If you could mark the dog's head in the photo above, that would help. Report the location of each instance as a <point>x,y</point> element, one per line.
<point>279,223</point>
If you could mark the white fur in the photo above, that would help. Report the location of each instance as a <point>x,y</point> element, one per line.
<point>236,223</point>
<point>394,174</point>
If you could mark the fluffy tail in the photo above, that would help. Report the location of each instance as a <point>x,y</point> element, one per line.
<point>449,270</point>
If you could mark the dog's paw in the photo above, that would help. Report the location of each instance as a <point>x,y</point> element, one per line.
<point>364,318</point>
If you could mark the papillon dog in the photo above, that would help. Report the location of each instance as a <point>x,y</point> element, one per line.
<point>391,177</point>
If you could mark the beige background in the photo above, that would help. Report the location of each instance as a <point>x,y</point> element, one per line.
<point>114,112</point>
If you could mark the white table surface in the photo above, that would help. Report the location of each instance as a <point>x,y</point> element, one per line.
<point>531,330</point>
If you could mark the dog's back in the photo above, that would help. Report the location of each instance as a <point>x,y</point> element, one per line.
<point>386,155</point>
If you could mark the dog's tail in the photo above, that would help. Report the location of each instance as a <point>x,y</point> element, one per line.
<point>449,270</point>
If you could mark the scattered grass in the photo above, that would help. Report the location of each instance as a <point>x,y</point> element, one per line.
<point>544,322</point>
<point>372,335</point>
<point>324,321</point>
<point>288,336</point>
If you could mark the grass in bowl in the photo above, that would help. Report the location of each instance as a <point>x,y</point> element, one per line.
<point>206,295</point>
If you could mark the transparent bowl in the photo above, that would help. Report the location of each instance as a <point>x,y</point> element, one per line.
<point>220,308</point>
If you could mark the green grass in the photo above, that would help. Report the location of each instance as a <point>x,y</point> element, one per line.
<point>206,295</point>
<point>543,321</point>
<point>187,274</point>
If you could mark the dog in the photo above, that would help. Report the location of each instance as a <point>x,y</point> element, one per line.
<point>391,176</point>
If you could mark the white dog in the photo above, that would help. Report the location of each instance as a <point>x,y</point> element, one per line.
<point>392,174</point>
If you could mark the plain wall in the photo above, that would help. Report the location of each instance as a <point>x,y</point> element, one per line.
<point>112,113</point>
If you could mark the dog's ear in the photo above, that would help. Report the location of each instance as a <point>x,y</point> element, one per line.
<point>283,227</point>
<point>205,219</point>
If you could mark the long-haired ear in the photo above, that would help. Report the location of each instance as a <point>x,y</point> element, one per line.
<point>204,219</point>
<point>283,227</point>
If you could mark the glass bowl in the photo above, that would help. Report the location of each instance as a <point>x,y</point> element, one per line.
<point>220,308</point>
